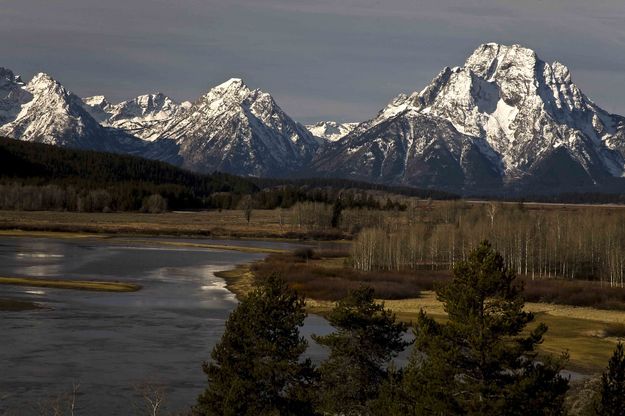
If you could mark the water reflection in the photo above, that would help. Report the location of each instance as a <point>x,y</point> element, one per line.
<point>110,342</point>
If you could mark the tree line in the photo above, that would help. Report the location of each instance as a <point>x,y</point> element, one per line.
<point>576,244</point>
<point>36,176</point>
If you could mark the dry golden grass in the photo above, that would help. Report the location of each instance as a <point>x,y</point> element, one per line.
<point>579,331</point>
<point>92,285</point>
<point>575,312</point>
<point>239,280</point>
<point>48,234</point>
<point>223,224</point>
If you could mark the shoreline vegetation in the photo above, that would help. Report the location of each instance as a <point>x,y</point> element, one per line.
<point>90,285</point>
<point>588,334</point>
<point>72,235</point>
<point>226,224</point>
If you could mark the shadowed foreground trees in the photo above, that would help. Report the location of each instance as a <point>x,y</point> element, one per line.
<point>367,337</point>
<point>612,401</point>
<point>481,362</point>
<point>257,367</point>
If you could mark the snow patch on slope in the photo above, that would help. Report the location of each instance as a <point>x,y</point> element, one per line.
<point>330,130</point>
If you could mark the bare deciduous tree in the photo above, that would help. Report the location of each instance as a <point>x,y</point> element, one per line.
<point>152,396</point>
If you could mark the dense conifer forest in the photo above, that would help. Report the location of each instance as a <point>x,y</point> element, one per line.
<point>36,176</point>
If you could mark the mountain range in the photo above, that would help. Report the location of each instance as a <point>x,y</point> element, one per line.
<point>505,121</point>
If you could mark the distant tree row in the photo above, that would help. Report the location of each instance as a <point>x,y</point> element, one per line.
<point>122,197</point>
<point>288,196</point>
<point>36,176</point>
<point>40,164</point>
<point>579,244</point>
<point>338,183</point>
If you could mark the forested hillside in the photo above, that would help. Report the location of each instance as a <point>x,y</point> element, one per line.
<point>36,176</point>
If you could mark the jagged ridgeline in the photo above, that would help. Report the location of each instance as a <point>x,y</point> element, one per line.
<point>37,176</point>
<point>504,123</point>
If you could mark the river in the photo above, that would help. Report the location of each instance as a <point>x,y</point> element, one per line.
<point>111,343</point>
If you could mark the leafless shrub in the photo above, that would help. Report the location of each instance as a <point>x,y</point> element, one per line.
<point>151,398</point>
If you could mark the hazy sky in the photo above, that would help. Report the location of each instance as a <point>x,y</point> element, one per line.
<point>321,59</point>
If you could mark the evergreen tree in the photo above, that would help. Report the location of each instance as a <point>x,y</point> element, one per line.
<point>612,402</point>
<point>337,210</point>
<point>479,362</point>
<point>367,337</point>
<point>391,400</point>
<point>256,368</point>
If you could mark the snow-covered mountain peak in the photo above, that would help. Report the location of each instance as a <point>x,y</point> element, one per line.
<point>143,116</point>
<point>148,105</point>
<point>45,111</point>
<point>43,81</point>
<point>239,130</point>
<point>233,86</point>
<point>524,107</point>
<point>498,77</point>
<point>97,100</point>
<point>514,112</point>
<point>231,83</point>
<point>331,130</point>
<point>230,93</point>
<point>492,60</point>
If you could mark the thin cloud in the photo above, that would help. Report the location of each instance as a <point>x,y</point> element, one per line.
<point>340,59</point>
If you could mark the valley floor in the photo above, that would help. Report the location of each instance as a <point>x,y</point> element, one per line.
<point>587,334</point>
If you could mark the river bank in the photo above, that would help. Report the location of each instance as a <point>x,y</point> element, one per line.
<point>587,334</point>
